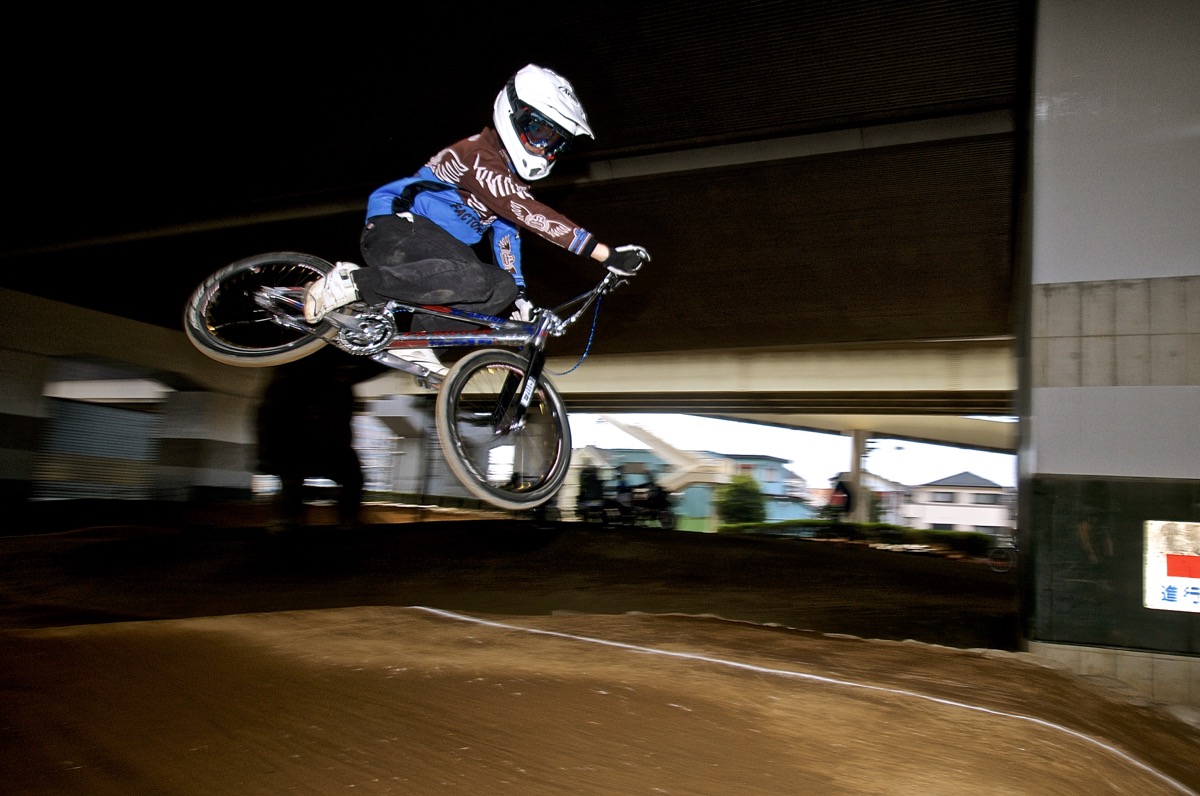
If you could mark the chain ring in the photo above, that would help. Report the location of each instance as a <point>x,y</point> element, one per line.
<point>376,331</point>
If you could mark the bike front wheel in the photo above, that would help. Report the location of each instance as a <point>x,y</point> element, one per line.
<point>508,468</point>
<point>251,313</point>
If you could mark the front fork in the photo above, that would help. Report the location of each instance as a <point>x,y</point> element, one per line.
<point>517,393</point>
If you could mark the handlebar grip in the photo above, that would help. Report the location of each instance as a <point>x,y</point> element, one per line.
<point>627,260</point>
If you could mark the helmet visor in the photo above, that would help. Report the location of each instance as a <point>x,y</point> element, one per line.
<point>540,135</point>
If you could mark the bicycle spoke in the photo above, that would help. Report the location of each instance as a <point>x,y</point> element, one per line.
<point>249,312</point>
<point>512,466</point>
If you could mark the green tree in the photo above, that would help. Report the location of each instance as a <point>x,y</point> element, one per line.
<point>741,500</point>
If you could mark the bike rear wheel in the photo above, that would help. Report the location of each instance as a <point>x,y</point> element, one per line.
<point>517,469</point>
<point>225,320</point>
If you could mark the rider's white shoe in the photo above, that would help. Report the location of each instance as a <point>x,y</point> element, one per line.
<point>423,357</point>
<point>330,292</point>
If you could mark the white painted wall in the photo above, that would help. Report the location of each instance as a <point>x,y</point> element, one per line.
<point>963,514</point>
<point>1116,140</point>
<point>1115,201</point>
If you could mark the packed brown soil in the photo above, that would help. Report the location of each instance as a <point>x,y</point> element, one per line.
<point>432,653</point>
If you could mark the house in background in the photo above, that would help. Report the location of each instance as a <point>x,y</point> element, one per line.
<point>963,502</point>
<point>389,442</point>
<point>785,493</point>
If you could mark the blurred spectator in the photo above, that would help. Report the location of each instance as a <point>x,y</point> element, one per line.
<point>305,430</point>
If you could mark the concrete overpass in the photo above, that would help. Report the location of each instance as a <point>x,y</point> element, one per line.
<point>934,392</point>
<point>831,213</point>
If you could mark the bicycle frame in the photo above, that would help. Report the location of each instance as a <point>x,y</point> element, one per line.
<point>529,338</point>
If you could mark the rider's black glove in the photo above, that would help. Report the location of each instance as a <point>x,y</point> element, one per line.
<point>626,260</point>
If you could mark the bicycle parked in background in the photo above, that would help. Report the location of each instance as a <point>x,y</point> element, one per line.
<point>1003,557</point>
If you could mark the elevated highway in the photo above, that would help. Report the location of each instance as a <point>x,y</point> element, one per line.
<point>931,391</point>
<point>839,259</point>
<point>936,391</point>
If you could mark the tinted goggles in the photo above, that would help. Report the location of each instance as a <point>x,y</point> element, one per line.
<point>540,135</point>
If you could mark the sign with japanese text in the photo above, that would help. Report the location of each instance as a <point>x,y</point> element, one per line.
<point>1172,566</point>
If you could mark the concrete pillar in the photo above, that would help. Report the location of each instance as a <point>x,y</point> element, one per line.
<point>1111,375</point>
<point>860,509</point>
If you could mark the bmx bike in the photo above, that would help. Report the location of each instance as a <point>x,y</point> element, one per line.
<point>500,420</point>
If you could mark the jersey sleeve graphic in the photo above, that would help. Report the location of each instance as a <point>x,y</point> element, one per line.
<point>538,222</point>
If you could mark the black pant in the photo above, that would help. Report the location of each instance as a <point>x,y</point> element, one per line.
<point>412,259</point>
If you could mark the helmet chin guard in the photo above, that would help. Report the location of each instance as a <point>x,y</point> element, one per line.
<point>537,117</point>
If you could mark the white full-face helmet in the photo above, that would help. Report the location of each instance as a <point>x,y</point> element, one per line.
<point>538,116</point>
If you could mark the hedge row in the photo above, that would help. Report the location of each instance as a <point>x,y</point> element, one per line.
<point>967,542</point>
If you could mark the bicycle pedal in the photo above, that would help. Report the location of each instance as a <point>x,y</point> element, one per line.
<point>430,382</point>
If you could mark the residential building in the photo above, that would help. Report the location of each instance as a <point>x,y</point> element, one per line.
<point>784,491</point>
<point>962,502</point>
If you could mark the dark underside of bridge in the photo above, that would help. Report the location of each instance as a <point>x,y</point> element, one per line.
<point>783,403</point>
<point>804,174</point>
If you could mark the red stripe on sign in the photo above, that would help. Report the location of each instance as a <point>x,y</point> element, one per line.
<point>1183,566</point>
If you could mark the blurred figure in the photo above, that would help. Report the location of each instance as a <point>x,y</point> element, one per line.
<point>589,505</point>
<point>591,487</point>
<point>624,493</point>
<point>305,430</point>
<point>656,496</point>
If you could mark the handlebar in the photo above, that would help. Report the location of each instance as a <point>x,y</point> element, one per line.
<point>611,280</point>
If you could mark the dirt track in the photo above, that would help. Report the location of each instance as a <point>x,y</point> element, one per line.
<point>482,657</point>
